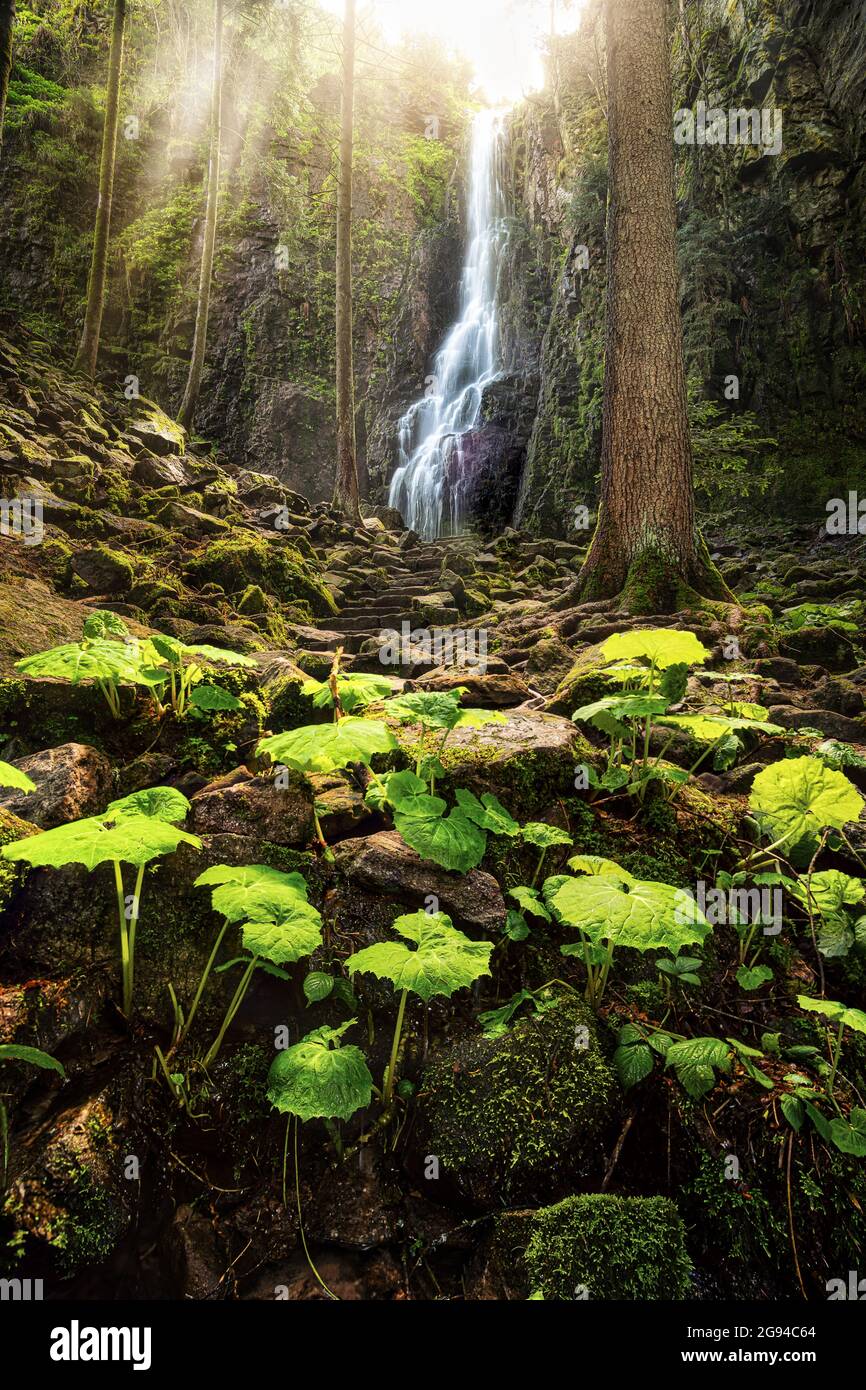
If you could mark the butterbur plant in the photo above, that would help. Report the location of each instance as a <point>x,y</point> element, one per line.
<point>133,831</point>
<point>434,958</point>
<point>437,710</point>
<point>609,907</point>
<point>278,926</point>
<point>320,1077</point>
<point>16,779</point>
<point>456,837</point>
<point>846,1132</point>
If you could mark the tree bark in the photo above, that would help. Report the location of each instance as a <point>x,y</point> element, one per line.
<point>7,20</point>
<point>646,546</point>
<point>346,483</point>
<point>186,414</point>
<point>88,348</point>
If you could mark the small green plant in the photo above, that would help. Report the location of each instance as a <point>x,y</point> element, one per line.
<point>847,1133</point>
<point>440,960</point>
<point>278,926</point>
<point>798,799</point>
<point>610,908</point>
<point>134,830</point>
<point>318,1078</point>
<point>437,710</point>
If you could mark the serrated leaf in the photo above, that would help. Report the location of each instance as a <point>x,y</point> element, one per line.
<point>297,933</point>
<point>643,915</point>
<point>828,891</point>
<point>603,868</point>
<point>662,646</point>
<point>792,1109</point>
<point>318,1080</point>
<point>453,841</point>
<point>849,1136</point>
<point>443,961</point>
<point>317,986</point>
<point>800,796</point>
<point>213,697</point>
<point>488,813</point>
<point>544,836</point>
<point>93,841</point>
<point>752,977</point>
<point>836,1012</point>
<point>103,623</point>
<point>355,689</point>
<point>328,747</point>
<point>516,926</point>
<point>530,900</point>
<point>162,803</point>
<point>696,1061</point>
<point>633,1062</point>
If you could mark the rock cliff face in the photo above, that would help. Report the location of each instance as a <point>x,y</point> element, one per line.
<point>772,247</point>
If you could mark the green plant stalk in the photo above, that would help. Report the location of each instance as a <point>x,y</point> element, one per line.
<point>133,923</point>
<point>534,879</point>
<point>318,1276</point>
<point>203,981</point>
<point>392,1064</point>
<point>237,1000</point>
<point>837,1053</point>
<point>124,940</point>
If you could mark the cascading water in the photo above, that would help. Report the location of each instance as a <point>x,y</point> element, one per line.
<point>428,486</point>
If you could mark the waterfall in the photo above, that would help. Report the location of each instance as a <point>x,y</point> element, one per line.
<point>428,486</point>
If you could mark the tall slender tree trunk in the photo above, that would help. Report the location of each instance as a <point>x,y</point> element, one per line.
<point>346,484</point>
<point>88,348</point>
<point>186,414</point>
<point>7,19</point>
<point>646,545</point>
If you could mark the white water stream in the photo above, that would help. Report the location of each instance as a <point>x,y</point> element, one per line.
<point>428,486</point>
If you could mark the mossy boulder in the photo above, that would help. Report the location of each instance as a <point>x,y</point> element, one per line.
<point>242,558</point>
<point>591,1246</point>
<point>521,1116</point>
<point>585,682</point>
<point>103,570</point>
<point>12,828</point>
<point>68,1203</point>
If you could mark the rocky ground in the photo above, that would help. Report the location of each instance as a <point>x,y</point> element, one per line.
<point>526,1130</point>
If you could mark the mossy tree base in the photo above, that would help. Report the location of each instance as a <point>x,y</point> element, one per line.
<point>653,580</point>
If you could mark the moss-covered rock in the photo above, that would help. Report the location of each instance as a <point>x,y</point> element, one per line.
<point>594,1246</point>
<point>520,1116</point>
<point>243,557</point>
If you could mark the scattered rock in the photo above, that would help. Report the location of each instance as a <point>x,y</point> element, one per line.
<point>71,781</point>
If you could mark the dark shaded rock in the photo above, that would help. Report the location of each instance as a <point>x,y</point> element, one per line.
<point>71,781</point>
<point>831,724</point>
<point>278,810</point>
<point>385,864</point>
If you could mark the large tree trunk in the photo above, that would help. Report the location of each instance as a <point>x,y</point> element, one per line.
<point>7,19</point>
<point>186,414</point>
<point>646,545</point>
<point>346,484</point>
<point>88,348</point>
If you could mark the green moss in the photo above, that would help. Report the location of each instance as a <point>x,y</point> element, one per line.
<point>11,875</point>
<point>243,558</point>
<point>612,1247</point>
<point>501,1113</point>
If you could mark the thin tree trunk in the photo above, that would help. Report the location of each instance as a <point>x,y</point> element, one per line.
<point>88,348</point>
<point>346,484</point>
<point>186,414</point>
<point>646,545</point>
<point>7,20</point>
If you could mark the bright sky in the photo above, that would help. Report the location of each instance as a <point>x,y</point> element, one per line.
<point>501,38</point>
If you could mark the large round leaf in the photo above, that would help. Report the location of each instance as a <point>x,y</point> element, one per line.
<point>662,646</point>
<point>327,747</point>
<point>315,1080</point>
<point>132,840</point>
<point>836,1012</point>
<point>297,933</point>
<point>453,841</point>
<point>643,915</point>
<point>443,959</point>
<point>800,796</point>
<point>162,803</point>
<point>78,661</point>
